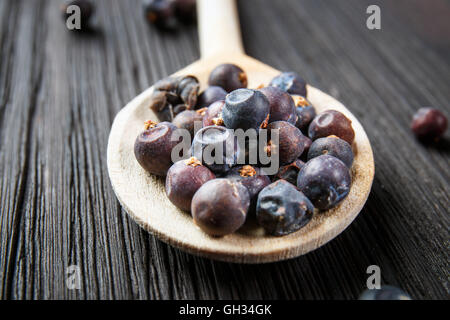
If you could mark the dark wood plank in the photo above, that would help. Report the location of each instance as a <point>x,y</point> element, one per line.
<point>60,91</point>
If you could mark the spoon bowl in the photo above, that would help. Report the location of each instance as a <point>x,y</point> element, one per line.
<point>143,197</point>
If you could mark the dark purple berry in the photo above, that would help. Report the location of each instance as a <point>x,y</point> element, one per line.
<point>245,109</point>
<point>325,180</point>
<point>173,95</point>
<point>153,147</point>
<point>282,107</point>
<point>185,10</point>
<point>289,172</point>
<point>290,82</point>
<point>186,120</point>
<point>213,114</point>
<point>307,143</point>
<point>210,95</point>
<point>252,178</point>
<point>305,113</point>
<point>220,206</point>
<point>216,147</point>
<point>429,124</point>
<point>282,209</point>
<point>87,9</point>
<point>331,123</point>
<point>384,293</point>
<point>183,179</point>
<point>161,13</point>
<point>290,142</point>
<point>228,76</point>
<point>332,146</point>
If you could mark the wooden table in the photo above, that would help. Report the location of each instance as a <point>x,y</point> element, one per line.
<point>60,91</point>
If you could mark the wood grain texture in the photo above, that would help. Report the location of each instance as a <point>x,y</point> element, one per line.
<point>59,93</point>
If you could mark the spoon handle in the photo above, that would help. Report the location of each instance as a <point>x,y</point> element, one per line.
<point>219,29</point>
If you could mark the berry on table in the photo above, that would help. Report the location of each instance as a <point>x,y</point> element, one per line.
<point>213,114</point>
<point>183,179</point>
<point>185,10</point>
<point>325,180</point>
<point>245,109</point>
<point>289,172</point>
<point>282,209</point>
<point>331,122</point>
<point>290,142</point>
<point>153,147</point>
<point>305,112</point>
<point>290,82</point>
<point>173,95</point>
<point>161,13</point>
<point>429,124</point>
<point>384,293</point>
<point>228,76</point>
<point>217,148</point>
<point>332,146</point>
<point>250,177</point>
<point>210,95</point>
<point>220,206</point>
<point>307,143</point>
<point>186,120</point>
<point>282,107</point>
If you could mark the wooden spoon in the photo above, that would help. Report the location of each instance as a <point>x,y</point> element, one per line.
<point>143,197</point>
